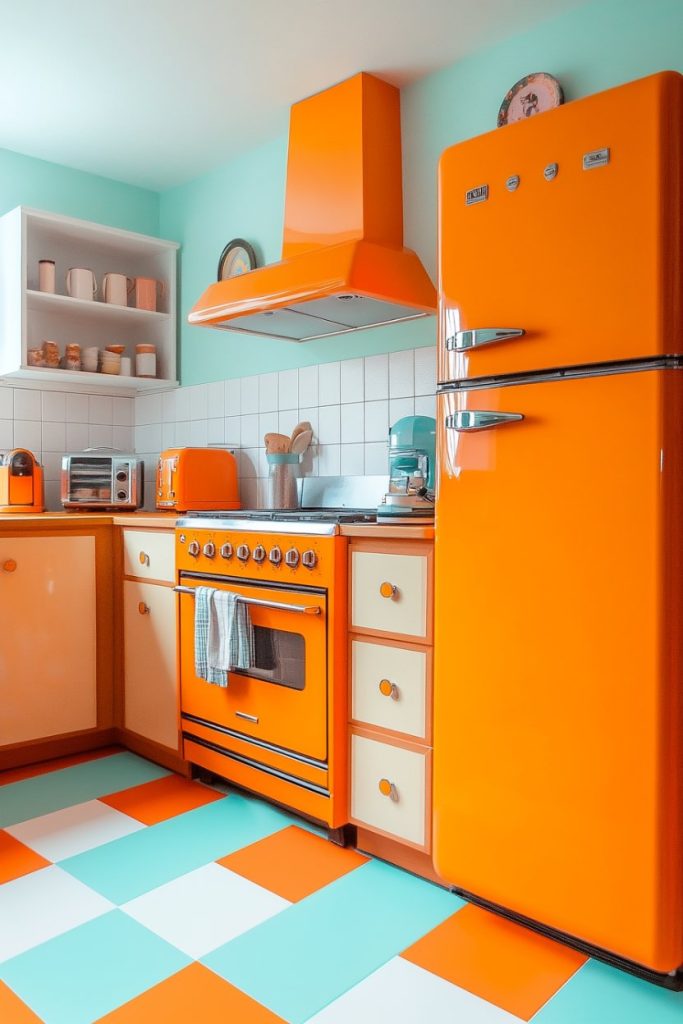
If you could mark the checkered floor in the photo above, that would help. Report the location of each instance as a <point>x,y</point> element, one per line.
<point>130,895</point>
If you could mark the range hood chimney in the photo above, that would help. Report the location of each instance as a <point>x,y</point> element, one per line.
<point>343,264</point>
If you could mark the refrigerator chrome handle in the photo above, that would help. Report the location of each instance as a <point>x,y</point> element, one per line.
<point>461,341</point>
<point>467,422</point>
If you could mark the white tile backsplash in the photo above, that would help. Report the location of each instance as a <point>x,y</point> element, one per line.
<point>349,404</point>
<point>54,406</point>
<point>101,409</point>
<point>7,434</point>
<point>329,388</point>
<point>101,435</point>
<point>77,437</point>
<point>26,404</point>
<point>6,403</point>
<point>77,407</point>
<point>54,436</point>
<point>28,434</point>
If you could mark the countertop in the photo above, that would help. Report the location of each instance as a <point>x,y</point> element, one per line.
<point>167,520</point>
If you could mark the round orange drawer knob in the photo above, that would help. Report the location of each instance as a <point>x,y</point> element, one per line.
<point>143,608</point>
<point>388,689</point>
<point>387,589</point>
<point>9,566</point>
<point>387,788</point>
<point>143,558</point>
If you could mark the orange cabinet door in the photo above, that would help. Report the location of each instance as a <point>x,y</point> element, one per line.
<point>284,704</point>
<point>557,760</point>
<point>587,263</point>
<point>48,650</point>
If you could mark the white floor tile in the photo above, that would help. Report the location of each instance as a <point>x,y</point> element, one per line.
<point>403,993</point>
<point>73,830</point>
<point>39,906</point>
<point>203,909</point>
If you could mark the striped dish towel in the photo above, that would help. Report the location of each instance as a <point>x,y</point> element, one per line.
<point>231,634</point>
<point>203,613</point>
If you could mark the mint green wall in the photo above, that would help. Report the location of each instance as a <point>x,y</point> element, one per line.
<point>25,181</point>
<point>596,46</point>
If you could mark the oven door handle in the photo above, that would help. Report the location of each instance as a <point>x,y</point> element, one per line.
<point>311,609</point>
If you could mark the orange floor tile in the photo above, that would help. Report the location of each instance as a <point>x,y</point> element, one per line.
<point>16,860</point>
<point>497,960</point>
<point>293,863</point>
<point>193,994</point>
<point>13,1010</point>
<point>30,770</point>
<point>156,801</point>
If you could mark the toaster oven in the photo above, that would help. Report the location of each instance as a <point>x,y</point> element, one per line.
<point>98,481</point>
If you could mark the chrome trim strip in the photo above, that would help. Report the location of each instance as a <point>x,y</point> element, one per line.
<point>269,526</point>
<point>280,606</point>
<point>302,783</point>
<point>264,744</point>
<point>248,581</point>
<point>561,373</point>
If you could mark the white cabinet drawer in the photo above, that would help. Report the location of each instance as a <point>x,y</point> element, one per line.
<point>389,593</point>
<point>149,554</point>
<point>389,789</point>
<point>389,686</point>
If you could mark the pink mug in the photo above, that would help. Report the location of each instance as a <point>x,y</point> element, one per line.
<point>146,291</point>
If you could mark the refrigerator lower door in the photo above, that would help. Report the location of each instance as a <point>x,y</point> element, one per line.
<point>557,714</point>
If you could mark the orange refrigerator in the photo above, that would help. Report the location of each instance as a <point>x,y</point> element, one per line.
<point>558,715</point>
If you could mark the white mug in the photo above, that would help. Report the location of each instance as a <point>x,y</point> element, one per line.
<point>91,358</point>
<point>115,288</point>
<point>81,283</point>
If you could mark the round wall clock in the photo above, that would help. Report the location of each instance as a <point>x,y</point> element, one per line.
<point>237,258</point>
<point>531,95</point>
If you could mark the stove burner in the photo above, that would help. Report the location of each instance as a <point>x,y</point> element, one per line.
<point>296,515</point>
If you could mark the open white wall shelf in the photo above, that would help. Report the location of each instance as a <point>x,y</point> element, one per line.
<point>28,316</point>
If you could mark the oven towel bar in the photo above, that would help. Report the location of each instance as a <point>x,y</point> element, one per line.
<point>278,605</point>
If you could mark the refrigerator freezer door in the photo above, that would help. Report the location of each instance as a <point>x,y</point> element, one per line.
<point>582,268</point>
<point>557,714</point>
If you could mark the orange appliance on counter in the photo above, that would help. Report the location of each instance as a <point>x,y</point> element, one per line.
<point>197,479</point>
<point>558,707</point>
<point>21,482</point>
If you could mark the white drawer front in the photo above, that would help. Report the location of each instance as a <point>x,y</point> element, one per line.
<point>377,668</point>
<point>406,770</point>
<point>149,554</point>
<point>405,610</point>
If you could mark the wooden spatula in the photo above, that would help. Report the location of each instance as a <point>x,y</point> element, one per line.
<point>276,444</point>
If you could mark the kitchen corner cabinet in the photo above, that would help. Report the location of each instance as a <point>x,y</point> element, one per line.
<point>149,711</point>
<point>56,681</point>
<point>28,316</point>
<point>390,734</point>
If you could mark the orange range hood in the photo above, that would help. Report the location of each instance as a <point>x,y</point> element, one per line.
<point>343,267</point>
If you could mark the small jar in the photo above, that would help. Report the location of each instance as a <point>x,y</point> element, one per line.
<point>111,362</point>
<point>51,354</point>
<point>35,357</point>
<point>145,361</point>
<point>72,357</point>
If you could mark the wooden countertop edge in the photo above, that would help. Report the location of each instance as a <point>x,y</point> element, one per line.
<point>387,532</point>
<point>159,520</point>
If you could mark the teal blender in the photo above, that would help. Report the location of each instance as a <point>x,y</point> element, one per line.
<point>412,444</point>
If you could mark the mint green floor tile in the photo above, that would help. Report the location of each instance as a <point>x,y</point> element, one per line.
<point>598,994</point>
<point>144,860</point>
<point>53,791</point>
<point>307,955</point>
<point>89,971</point>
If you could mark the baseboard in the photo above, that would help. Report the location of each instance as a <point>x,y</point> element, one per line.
<point>34,751</point>
<point>153,751</point>
<point>396,853</point>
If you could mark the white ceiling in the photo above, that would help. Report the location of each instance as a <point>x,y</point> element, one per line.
<point>156,92</point>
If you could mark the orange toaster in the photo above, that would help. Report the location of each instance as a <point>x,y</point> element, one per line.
<point>21,482</point>
<point>193,479</point>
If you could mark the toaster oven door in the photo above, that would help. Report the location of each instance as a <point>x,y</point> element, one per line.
<point>282,699</point>
<point>167,470</point>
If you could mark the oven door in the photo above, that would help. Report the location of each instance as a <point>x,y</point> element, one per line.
<point>282,700</point>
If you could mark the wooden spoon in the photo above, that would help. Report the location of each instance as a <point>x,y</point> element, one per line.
<point>301,442</point>
<point>299,429</point>
<point>276,444</point>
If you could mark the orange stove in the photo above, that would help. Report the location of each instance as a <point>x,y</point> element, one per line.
<point>277,728</point>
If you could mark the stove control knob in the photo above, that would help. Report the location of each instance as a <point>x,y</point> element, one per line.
<point>226,550</point>
<point>193,548</point>
<point>292,558</point>
<point>243,552</point>
<point>209,549</point>
<point>309,559</point>
<point>275,555</point>
<point>259,553</point>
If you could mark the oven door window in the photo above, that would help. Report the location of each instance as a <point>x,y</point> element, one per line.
<point>280,658</point>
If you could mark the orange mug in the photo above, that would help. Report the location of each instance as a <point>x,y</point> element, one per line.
<point>147,289</point>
